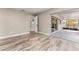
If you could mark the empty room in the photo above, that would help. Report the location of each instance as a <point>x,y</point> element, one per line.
<point>39,29</point>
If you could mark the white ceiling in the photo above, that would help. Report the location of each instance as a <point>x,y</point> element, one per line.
<point>69,11</point>
<point>40,10</point>
<point>33,10</point>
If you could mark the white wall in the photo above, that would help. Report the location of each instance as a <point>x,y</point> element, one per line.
<point>14,22</point>
<point>44,23</point>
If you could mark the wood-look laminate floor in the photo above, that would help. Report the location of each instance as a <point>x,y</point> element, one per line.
<point>37,42</point>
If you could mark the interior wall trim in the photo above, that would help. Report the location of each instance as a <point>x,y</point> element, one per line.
<point>44,33</point>
<point>14,35</point>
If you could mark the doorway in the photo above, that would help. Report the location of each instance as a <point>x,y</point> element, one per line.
<point>54,23</point>
<point>34,24</point>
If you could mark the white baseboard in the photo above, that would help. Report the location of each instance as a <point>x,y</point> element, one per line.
<point>14,35</point>
<point>44,33</point>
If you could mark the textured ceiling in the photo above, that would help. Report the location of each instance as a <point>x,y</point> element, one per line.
<point>33,10</point>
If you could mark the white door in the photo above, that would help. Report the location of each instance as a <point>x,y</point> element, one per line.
<point>34,24</point>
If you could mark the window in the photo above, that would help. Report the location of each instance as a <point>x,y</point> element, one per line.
<point>70,24</point>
